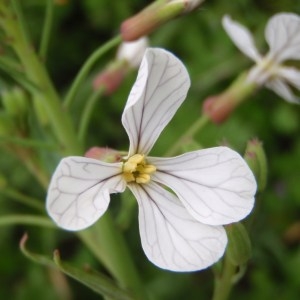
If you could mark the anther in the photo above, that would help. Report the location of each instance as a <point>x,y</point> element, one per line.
<point>136,169</point>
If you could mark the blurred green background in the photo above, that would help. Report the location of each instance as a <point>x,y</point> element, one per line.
<point>213,62</point>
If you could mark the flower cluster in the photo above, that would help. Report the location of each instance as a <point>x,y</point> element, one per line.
<point>183,201</point>
<point>283,36</point>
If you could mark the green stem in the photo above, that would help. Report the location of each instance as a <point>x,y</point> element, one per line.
<point>225,282</point>
<point>87,67</point>
<point>108,244</point>
<point>60,122</point>
<point>30,160</point>
<point>28,143</point>
<point>47,29</point>
<point>26,200</point>
<point>10,64</point>
<point>12,70</point>
<point>87,112</point>
<point>26,220</point>
<point>188,135</point>
<point>16,6</point>
<point>104,239</point>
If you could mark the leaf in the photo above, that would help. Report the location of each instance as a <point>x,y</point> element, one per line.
<point>92,279</point>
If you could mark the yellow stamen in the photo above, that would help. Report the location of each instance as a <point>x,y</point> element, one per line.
<point>142,178</point>
<point>131,164</point>
<point>129,177</point>
<point>136,169</point>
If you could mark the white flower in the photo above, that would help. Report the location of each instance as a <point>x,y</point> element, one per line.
<point>133,52</point>
<point>180,230</point>
<point>282,34</point>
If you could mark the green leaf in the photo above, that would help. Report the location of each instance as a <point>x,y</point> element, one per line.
<point>94,280</point>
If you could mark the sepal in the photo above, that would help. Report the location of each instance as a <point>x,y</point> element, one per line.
<point>257,161</point>
<point>239,244</point>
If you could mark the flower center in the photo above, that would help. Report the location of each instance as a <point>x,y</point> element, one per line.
<point>136,169</point>
<point>263,71</point>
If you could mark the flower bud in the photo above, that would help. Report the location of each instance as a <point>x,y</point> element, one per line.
<point>129,55</point>
<point>154,16</point>
<point>239,244</point>
<point>133,52</point>
<point>110,78</point>
<point>257,161</point>
<point>104,154</point>
<point>219,107</point>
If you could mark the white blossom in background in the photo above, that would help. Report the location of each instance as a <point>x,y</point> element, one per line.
<point>129,56</point>
<point>282,34</point>
<point>180,230</point>
<point>133,52</point>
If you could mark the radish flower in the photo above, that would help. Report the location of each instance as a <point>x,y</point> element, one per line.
<point>282,34</point>
<point>180,227</point>
<point>133,52</point>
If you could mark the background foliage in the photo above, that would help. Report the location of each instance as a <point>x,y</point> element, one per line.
<point>213,62</point>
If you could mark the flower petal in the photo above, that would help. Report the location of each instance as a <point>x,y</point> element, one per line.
<point>159,90</point>
<point>133,52</point>
<point>171,238</point>
<point>291,75</point>
<point>241,37</point>
<point>215,185</point>
<point>79,190</point>
<point>283,90</point>
<point>283,36</point>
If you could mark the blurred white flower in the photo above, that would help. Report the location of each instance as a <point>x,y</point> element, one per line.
<point>282,34</point>
<point>133,52</point>
<point>180,230</point>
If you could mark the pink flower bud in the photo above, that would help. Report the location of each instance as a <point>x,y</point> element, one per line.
<point>154,16</point>
<point>129,55</point>
<point>219,107</point>
<point>103,154</point>
<point>109,79</point>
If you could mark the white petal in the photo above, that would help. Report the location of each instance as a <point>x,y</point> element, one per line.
<point>133,52</point>
<point>283,36</point>
<point>291,75</point>
<point>241,37</point>
<point>171,238</point>
<point>215,185</point>
<point>79,190</point>
<point>283,90</point>
<point>159,90</point>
